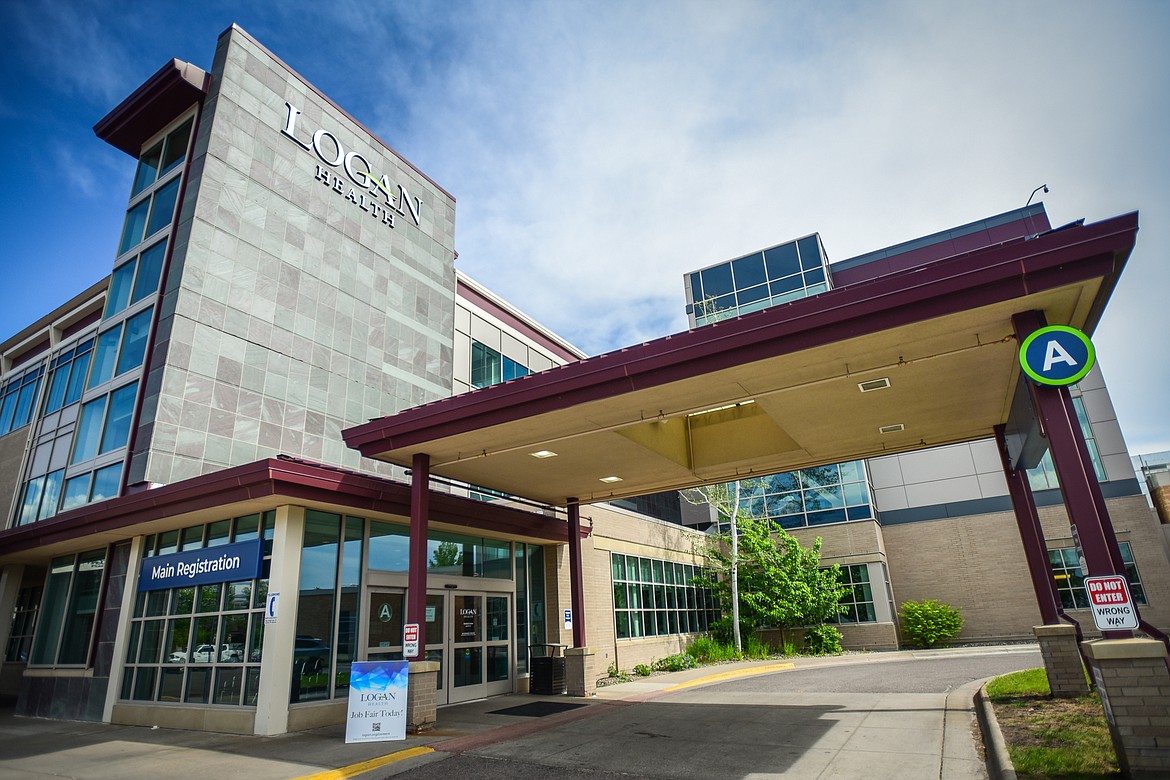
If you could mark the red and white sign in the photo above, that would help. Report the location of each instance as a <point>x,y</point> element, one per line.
<point>1111,603</point>
<point>410,640</point>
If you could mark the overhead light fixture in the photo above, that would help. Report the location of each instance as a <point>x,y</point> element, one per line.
<point>543,454</point>
<point>873,384</point>
<point>895,428</point>
<point>721,408</point>
<point>611,479</point>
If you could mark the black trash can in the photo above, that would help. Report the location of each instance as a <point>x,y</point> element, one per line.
<point>547,670</point>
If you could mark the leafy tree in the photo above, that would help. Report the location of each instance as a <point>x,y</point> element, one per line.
<point>446,555</point>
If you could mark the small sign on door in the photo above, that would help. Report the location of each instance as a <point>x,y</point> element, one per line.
<point>568,619</point>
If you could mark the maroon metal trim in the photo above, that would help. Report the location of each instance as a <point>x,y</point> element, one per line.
<point>295,481</point>
<point>981,278</point>
<point>576,575</point>
<point>476,298</point>
<point>1031,534</point>
<point>1074,468</point>
<point>161,98</point>
<point>416,573</point>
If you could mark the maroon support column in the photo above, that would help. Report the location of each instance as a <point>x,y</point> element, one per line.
<point>576,578</point>
<point>416,583</point>
<point>1031,534</point>
<point>1074,469</point>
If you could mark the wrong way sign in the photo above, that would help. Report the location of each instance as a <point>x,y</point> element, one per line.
<point>1111,603</point>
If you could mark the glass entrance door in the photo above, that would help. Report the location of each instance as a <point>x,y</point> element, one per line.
<point>481,658</point>
<point>385,624</point>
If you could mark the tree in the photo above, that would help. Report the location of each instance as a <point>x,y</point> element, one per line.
<point>779,582</point>
<point>446,555</point>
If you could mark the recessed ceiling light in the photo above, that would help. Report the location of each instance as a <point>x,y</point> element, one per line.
<point>873,384</point>
<point>611,479</point>
<point>543,454</point>
<point>895,428</point>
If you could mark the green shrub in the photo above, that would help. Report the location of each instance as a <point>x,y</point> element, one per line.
<point>723,633</point>
<point>675,663</point>
<point>822,640</point>
<point>706,650</point>
<point>753,647</point>
<point>642,670</point>
<point>928,623</point>
<point>789,648</point>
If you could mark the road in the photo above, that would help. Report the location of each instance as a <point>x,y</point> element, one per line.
<point>856,716</point>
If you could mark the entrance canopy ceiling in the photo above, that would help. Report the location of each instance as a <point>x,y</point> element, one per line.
<point>775,390</point>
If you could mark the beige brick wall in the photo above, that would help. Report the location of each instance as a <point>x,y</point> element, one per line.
<point>976,564</point>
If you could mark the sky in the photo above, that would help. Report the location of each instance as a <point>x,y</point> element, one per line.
<point>600,150</point>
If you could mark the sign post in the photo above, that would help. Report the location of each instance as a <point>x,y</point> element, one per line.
<point>1111,603</point>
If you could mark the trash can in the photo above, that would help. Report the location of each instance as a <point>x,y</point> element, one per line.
<point>546,670</point>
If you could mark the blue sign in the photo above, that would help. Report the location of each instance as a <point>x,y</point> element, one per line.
<point>377,701</point>
<point>225,563</point>
<point>1057,355</point>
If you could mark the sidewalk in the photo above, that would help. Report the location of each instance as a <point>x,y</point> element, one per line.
<point>37,748</point>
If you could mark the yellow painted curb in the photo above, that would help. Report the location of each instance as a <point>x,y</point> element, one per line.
<point>365,766</point>
<point>732,675</point>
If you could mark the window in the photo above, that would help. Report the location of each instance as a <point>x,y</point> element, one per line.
<point>135,279</point>
<point>489,367</point>
<point>1070,580</point>
<point>155,211</point>
<point>68,611</point>
<point>327,607</point>
<point>836,493</point>
<point>858,600</point>
<point>67,376</point>
<point>656,598</point>
<point>1043,476</point>
<point>24,623</point>
<point>200,644</point>
<point>16,399</point>
<point>105,423</point>
<point>120,348</point>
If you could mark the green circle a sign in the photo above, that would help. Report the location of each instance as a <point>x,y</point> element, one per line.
<point>1057,355</point>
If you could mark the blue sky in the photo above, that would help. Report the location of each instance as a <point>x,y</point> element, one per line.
<point>599,150</point>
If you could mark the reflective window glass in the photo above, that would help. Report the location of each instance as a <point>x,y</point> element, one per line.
<point>89,430</point>
<point>163,209</point>
<point>132,230</point>
<point>147,169</point>
<point>105,482</point>
<point>717,281</point>
<point>815,276</point>
<point>76,492</point>
<point>134,342</point>
<point>52,494</point>
<point>782,261</point>
<point>176,147</point>
<point>117,430</point>
<point>105,356</point>
<point>149,268</point>
<point>810,253</point>
<point>749,271</point>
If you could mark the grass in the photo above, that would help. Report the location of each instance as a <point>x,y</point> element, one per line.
<point>1052,739</point>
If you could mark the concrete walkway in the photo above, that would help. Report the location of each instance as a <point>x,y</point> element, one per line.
<point>675,725</point>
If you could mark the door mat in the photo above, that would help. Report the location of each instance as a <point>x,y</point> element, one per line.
<point>538,709</point>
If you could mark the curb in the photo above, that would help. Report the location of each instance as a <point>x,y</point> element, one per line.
<point>999,762</point>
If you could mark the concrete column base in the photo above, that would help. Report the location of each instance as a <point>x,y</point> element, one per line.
<point>1134,683</point>
<point>422,701</point>
<point>1062,660</point>
<point>580,674</point>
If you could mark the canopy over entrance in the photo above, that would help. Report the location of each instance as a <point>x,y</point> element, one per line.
<point>912,359</point>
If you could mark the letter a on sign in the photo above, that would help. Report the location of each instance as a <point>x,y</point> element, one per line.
<point>1057,355</point>
<point>385,614</point>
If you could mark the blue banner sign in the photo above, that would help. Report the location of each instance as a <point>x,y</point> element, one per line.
<point>1057,355</point>
<point>225,563</point>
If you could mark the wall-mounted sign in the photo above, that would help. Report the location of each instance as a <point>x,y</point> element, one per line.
<point>374,193</point>
<point>226,563</point>
<point>410,640</point>
<point>568,619</point>
<point>271,608</point>
<point>377,701</point>
<point>1057,355</point>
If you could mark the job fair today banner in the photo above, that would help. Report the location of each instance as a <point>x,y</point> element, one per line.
<point>377,701</point>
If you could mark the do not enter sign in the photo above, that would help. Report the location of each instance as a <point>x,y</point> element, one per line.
<point>1111,603</point>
